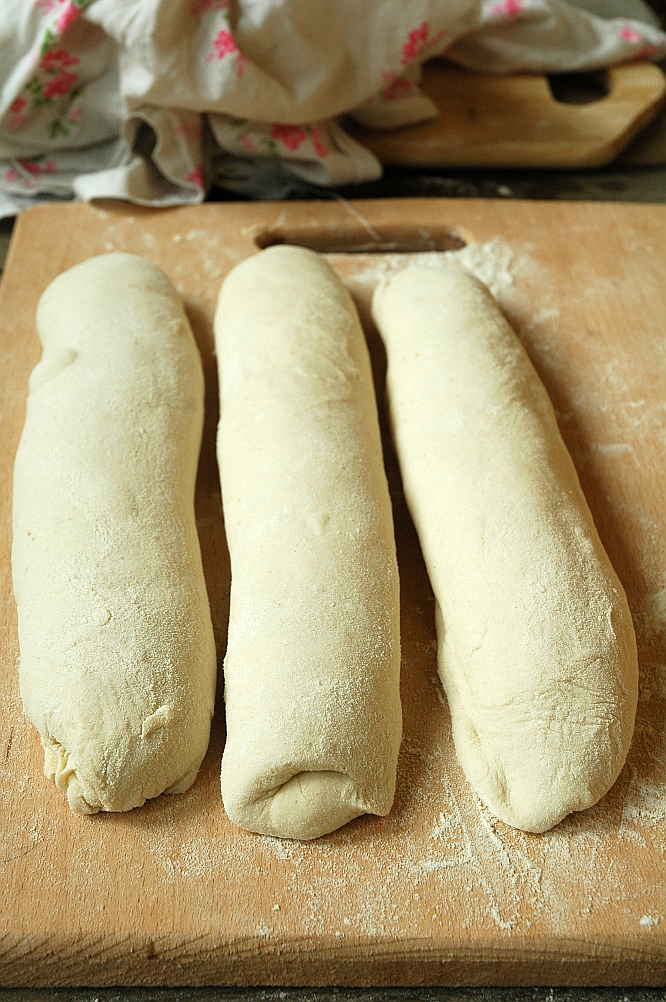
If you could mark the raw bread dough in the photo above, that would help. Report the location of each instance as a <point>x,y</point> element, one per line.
<point>313,658</point>
<point>118,661</point>
<point>536,648</point>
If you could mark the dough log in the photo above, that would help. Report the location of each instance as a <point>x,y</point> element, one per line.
<point>313,657</point>
<point>536,648</point>
<point>118,661</point>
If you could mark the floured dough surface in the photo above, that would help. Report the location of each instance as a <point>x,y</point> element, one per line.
<point>118,661</point>
<point>313,658</point>
<point>536,648</point>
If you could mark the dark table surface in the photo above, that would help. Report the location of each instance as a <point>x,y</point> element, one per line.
<point>333,995</point>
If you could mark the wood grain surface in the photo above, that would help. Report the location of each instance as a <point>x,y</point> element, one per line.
<point>440,891</point>
<point>515,121</point>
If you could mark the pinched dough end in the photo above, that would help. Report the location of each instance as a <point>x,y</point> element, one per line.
<point>307,806</point>
<point>534,762</point>
<point>532,800</point>
<point>59,766</point>
<point>140,770</point>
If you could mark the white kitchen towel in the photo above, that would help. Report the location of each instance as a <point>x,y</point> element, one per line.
<point>150,100</point>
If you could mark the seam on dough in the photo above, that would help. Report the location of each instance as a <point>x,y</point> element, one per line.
<point>59,766</point>
<point>307,810</point>
<point>50,367</point>
<point>162,716</point>
<point>495,774</point>
<point>296,775</point>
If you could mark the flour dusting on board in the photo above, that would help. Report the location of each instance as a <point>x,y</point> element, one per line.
<point>508,879</point>
<point>490,262</point>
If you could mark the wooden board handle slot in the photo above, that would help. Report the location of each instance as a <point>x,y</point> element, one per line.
<point>357,238</point>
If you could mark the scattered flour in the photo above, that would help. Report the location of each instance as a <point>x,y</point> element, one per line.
<point>490,262</point>
<point>645,803</point>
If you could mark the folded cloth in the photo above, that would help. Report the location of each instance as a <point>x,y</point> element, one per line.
<point>138,100</point>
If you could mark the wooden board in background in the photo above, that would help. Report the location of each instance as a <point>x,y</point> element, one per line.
<point>514,121</point>
<point>440,891</point>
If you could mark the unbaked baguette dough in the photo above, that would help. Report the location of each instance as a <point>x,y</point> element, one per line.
<point>118,661</point>
<point>313,657</point>
<point>536,648</point>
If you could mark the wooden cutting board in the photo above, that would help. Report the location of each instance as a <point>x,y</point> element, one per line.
<point>440,891</point>
<point>515,121</point>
